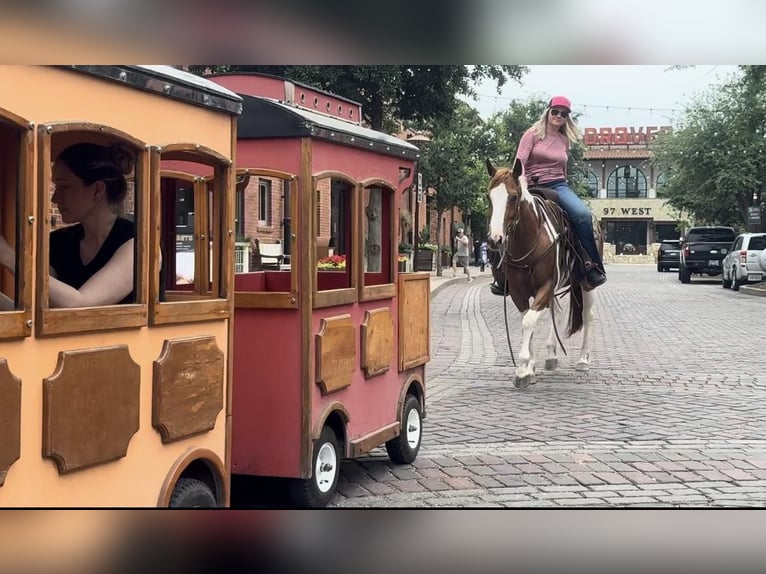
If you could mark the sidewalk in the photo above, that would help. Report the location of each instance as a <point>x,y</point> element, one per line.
<point>439,283</point>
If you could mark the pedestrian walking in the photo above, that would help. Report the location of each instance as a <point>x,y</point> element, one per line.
<point>463,254</point>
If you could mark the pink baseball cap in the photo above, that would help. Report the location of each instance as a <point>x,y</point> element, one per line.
<point>561,102</point>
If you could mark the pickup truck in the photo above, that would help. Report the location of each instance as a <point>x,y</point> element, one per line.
<point>703,249</point>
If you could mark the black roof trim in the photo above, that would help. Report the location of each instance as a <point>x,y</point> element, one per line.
<point>265,118</point>
<point>169,82</point>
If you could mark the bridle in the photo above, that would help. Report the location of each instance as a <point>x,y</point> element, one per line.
<point>510,231</point>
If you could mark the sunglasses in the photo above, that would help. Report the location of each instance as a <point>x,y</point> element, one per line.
<point>562,113</point>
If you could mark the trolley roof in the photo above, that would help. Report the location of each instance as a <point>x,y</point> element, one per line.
<point>170,82</point>
<point>266,118</point>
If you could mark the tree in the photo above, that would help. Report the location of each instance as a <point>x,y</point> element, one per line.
<point>390,94</point>
<point>715,158</point>
<point>451,163</point>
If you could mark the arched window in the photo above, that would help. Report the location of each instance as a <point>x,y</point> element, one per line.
<point>662,182</point>
<point>591,179</point>
<point>626,181</point>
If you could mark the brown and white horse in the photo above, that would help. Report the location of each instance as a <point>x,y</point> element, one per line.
<point>532,238</point>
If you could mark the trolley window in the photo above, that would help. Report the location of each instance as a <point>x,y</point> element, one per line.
<point>92,235</point>
<point>336,244</point>
<point>265,239</point>
<point>377,224</point>
<point>192,251</point>
<point>16,221</point>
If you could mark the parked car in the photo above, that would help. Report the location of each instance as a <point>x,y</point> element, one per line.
<point>745,261</point>
<point>703,249</point>
<point>669,255</point>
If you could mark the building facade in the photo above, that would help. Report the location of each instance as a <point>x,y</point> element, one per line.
<point>625,192</point>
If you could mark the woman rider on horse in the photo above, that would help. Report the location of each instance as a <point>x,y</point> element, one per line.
<point>543,154</point>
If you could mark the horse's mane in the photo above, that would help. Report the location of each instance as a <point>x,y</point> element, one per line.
<point>500,176</point>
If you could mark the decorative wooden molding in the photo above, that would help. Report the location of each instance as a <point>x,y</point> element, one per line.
<point>90,407</point>
<point>377,341</point>
<point>10,419</point>
<point>335,353</point>
<point>187,391</point>
<point>414,320</point>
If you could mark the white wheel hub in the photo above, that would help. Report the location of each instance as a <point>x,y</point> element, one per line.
<point>413,428</point>
<point>326,467</point>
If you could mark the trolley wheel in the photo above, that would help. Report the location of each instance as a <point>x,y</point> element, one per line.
<point>404,448</point>
<point>192,493</point>
<point>319,490</point>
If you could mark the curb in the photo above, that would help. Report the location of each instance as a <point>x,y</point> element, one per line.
<point>747,290</point>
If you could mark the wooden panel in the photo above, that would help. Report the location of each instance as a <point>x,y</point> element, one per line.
<point>414,319</point>
<point>90,407</point>
<point>377,341</point>
<point>10,419</point>
<point>335,353</point>
<point>187,391</point>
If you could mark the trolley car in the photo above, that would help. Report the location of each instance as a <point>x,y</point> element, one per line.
<point>312,352</point>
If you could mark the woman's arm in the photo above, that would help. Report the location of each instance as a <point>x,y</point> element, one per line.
<point>109,286</point>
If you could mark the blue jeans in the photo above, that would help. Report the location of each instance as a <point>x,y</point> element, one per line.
<point>580,216</point>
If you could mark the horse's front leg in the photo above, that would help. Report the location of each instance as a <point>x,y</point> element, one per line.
<point>583,364</point>
<point>525,374</point>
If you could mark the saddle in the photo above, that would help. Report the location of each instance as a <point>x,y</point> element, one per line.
<point>569,239</point>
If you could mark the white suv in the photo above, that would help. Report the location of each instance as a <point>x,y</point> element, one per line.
<point>745,262</point>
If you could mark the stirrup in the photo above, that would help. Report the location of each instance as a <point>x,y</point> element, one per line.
<point>496,289</point>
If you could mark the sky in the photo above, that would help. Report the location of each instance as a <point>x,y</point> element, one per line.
<point>610,96</point>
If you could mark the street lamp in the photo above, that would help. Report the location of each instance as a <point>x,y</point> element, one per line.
<point>422,140</point>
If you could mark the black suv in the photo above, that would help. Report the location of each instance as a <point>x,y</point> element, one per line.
<point>669,255</point>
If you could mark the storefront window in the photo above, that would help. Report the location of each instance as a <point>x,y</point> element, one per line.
<point>628,237</point>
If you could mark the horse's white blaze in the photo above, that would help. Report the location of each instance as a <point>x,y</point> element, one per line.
<point>498,196</point>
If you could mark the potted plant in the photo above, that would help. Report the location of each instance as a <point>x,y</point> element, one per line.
<point>425,260</point>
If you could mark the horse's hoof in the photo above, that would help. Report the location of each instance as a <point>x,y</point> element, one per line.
<point>582,366</point>
<point>524,382</point>
<point>551,364</point>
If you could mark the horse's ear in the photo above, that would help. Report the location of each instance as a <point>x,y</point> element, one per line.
<point>518,169</point>
<point>491,168</point>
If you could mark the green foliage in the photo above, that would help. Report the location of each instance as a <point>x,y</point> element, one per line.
<point>424,236</point>
<point>390,94</point>
<point>715,157</point>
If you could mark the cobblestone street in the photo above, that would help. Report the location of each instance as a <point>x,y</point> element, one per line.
<point>671,413</point>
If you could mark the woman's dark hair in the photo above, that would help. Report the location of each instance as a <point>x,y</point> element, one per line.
<point>92,162</point>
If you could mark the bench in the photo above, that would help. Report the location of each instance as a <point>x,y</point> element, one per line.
<point>271,255</point>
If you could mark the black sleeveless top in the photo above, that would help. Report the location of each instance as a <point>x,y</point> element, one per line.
<point>65,253</point>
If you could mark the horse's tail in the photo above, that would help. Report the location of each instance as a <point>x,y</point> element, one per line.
<point>575,307</point>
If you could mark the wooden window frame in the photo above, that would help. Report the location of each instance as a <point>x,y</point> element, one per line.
<point>58,321</point>
<point>346,295</point>
<point>275,299</point>
<point>17,323</point>
<point>203,303</point>
<point>385,290</point>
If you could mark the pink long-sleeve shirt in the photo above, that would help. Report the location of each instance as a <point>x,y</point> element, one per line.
<point>545,159</point>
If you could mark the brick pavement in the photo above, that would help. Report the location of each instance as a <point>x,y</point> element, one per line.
<point>669,414</point>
